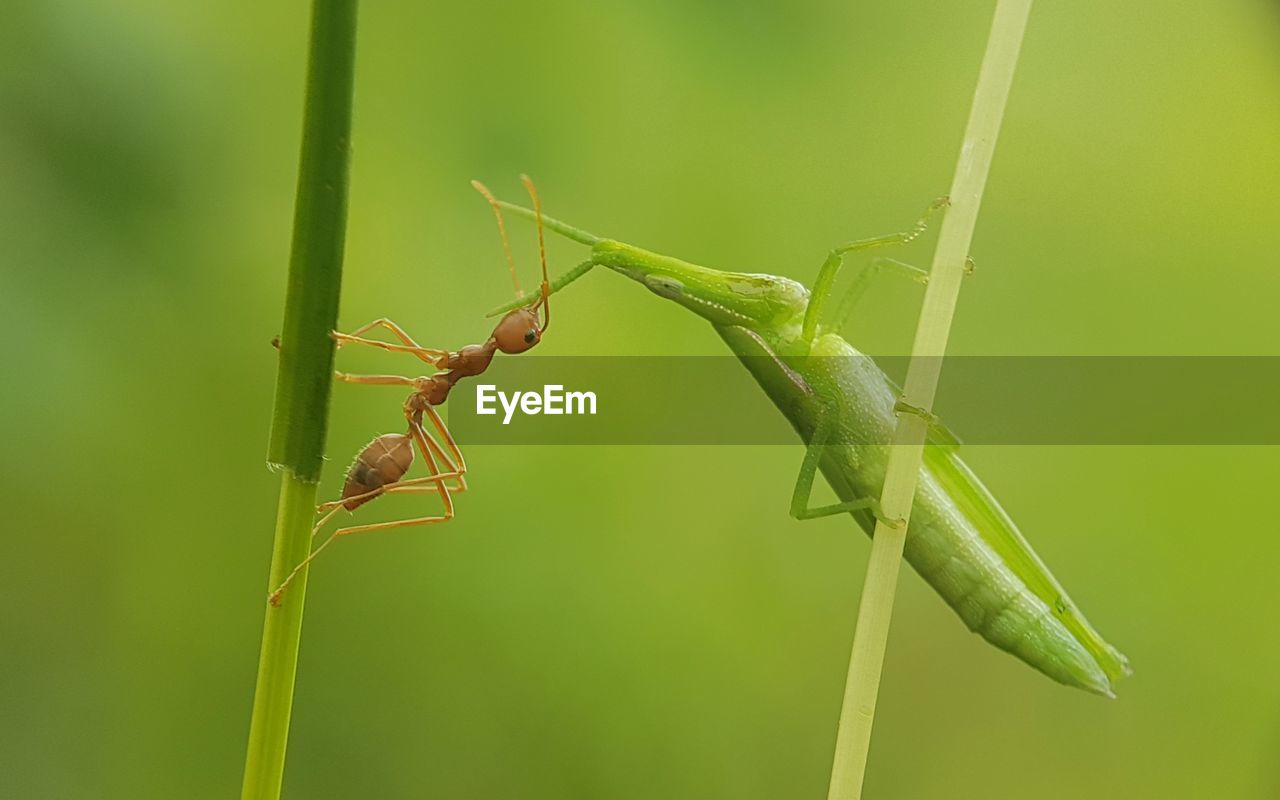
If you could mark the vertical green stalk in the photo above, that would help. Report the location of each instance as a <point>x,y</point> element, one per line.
<point>862,686</point>
<point>300,418</point>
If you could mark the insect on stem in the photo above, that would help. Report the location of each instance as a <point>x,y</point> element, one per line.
<point>380,467</point>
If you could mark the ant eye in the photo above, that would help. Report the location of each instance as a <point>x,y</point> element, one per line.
<point>530,336</point>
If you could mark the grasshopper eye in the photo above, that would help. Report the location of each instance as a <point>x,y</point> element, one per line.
<point>664,286</point>
<point>530,336</point>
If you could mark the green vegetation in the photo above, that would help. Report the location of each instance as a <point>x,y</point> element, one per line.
<point>659,630</point>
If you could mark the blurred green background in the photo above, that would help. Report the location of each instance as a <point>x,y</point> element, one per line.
<point>615,622</point>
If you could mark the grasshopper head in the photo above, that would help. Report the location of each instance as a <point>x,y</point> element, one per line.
<point>765,303</point>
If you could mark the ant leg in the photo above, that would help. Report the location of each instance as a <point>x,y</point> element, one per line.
<point>331,507</point>
<point>275,596</point>
<point>804,481</point>
<point>431,450</point>
<point>401,487</point>
<point>383,322</point>
<point>376,380</point>
<point>822,287</point>
<point>435,358</point>
<point>458,462</point>
<point>329,510</point>
<point>430,355</point>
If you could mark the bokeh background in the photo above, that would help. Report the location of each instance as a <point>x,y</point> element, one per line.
<point>625,622</point>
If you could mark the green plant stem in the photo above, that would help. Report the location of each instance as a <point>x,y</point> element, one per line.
<point>281,634</point>
<point>300,418</point>
<point>871,636</point>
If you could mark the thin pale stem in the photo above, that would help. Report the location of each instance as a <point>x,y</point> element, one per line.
<point>871,636</point>
<point>281,636</point>
<point>300,418</point>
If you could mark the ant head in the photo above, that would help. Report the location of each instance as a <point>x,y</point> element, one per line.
<point>518,330</point>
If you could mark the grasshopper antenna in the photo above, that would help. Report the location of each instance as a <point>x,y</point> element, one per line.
<point>542,249</point>
<point>502,232</point>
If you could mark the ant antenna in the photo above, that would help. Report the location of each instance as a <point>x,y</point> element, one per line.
<point>542,248</point>
<point>502,231</point>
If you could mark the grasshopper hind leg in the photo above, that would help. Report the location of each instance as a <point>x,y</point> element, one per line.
<point>800,508</point>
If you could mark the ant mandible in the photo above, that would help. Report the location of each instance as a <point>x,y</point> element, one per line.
<point>380,467</point>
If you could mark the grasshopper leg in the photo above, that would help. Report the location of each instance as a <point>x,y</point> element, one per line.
<point>875,266</point>
<point>825,283</point>
<point>808,468</point>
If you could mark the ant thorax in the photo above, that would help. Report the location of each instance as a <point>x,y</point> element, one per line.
<point>472,359</point>
<point>430,390</point>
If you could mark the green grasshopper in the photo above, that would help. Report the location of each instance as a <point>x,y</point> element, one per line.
<point>960,540</point>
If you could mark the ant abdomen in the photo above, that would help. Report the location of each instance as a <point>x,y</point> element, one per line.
<point>384,460</point>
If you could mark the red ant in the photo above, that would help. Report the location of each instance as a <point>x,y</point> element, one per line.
<point>380,467</point>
